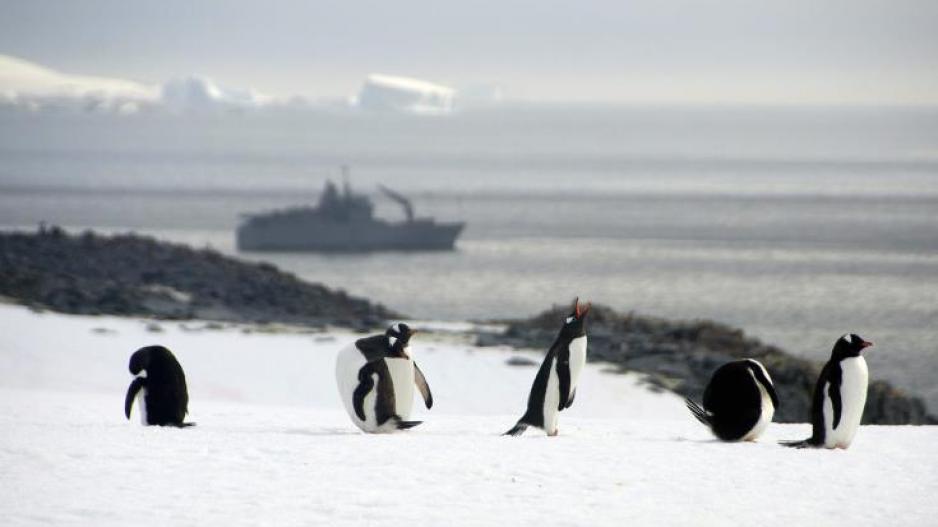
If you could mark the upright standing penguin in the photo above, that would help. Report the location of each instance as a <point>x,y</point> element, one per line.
<point>839,396</point>
<point>739,401</point>
<point>159,386</point>
<point>376,378</point>
<point>555,384</point>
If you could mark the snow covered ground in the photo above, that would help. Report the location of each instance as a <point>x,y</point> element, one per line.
<point>273,446</point>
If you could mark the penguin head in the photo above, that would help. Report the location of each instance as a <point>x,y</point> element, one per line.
<point>399,335</point>
<point>849,345</point>
<point>143,358</point>
<point>575,323</point>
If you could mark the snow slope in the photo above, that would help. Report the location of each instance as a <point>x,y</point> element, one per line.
<point>90,354</point>
<point>273,447</point>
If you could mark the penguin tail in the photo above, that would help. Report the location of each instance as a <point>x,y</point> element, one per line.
<point>517,430</point>
<point>702,415</point>
<point>401,424</point>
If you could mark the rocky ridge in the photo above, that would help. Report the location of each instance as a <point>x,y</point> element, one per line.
<point>135,275</point>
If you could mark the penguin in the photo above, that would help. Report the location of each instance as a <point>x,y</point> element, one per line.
<point>159,386</point>
<point>556,381</point>
<point>376,377</point>
<point>839,396</point>
<point>739,401</point>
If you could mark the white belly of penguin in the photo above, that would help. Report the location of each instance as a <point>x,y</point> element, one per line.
<point>348,363</point>
<point>552,396</point>
<point>854,382</point>
<point>402,374</point>
<point>577,360</point>
<point>765,415</point>
<point>142,405</point>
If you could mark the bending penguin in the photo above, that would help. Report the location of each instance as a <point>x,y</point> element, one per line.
<point>159,386</point>
<point>376,378</point>
<point>839,396</point>
<point>555,384</point>
<point>739,401</point>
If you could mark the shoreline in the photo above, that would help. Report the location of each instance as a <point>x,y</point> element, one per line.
<point>131,275</point>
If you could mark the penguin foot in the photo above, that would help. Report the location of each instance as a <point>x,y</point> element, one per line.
<point>803,443</point>
<point>404,425</point>
<point>517,430</point>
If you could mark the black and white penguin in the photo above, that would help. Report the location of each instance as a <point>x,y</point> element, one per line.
<point>839,396</point>
<point>159,387</point>
<point>376,378</point>
<point>555,384</point>
<point>739,401</point>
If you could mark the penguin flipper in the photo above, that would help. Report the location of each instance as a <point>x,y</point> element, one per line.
<point>422,385</point>
<point>563,375</point>
<point>135,386</point>
<point>517,430</point>
<point>570,400</point>
<point>702,415</point>
<point>385,401</point>
<point>833,391</point>
<point>365,385</point>
<point>767,384</point>
<point>772,395</point>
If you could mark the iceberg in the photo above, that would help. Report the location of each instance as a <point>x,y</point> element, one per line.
<point>388,93</point>
<point>34,87</point>
<point>30,86</point>
<point>202,94</point>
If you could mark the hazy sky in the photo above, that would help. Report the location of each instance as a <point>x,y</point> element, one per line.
<point>774,51</point>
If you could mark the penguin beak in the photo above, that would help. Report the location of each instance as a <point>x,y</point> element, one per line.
<point>580,313</point>
<point>865,344</point>
<point>411,332</point>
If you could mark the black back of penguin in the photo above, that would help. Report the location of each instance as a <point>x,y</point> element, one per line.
<point>734,398</point>
<point>167,397</point>
<point>732,402</point>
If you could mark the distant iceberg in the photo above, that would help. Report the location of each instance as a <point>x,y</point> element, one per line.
<point>29,86</point>
<point>387,93</point>
<point>34,87</point>
<point>201,94</point>
<point>26,86</point>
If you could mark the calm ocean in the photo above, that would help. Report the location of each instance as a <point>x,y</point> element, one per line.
<point>796,224</point>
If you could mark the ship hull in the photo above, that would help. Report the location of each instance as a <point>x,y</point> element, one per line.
<point>334,236</point>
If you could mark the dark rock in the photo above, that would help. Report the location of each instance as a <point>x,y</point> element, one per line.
<point>521,361</point>
<point>140,276</point>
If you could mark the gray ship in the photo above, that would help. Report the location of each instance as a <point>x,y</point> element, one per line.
<point>344,222</point>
